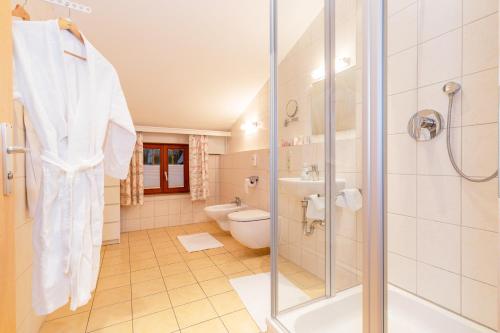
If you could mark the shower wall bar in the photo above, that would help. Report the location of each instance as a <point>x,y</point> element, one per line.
<point>374,166</point>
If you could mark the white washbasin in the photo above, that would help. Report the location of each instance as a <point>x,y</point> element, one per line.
<point>304,187</point>
<point>219,213</point>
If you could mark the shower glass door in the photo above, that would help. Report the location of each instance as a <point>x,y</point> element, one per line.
<point>442,215</point>
<point>316,142</point>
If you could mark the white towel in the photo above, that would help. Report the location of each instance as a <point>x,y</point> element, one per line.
<point>350,198</point>
<point>315,208</point>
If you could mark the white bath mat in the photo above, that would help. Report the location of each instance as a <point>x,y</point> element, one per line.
<point>199,242</point>
<point>255,293</point>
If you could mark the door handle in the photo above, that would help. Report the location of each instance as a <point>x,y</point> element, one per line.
<point>16,150</point>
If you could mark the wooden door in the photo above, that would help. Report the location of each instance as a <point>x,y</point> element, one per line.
<point>7,272</point>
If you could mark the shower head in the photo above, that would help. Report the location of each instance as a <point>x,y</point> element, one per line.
<point>451,88</point>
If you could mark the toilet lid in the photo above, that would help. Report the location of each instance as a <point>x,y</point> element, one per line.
<point>249,215</point>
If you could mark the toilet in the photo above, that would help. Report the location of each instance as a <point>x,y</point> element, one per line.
<point>251,228</point>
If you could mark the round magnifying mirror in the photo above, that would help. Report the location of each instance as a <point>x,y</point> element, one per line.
<point>292,107</point>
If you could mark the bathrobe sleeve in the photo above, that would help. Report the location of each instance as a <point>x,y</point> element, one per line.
<point>120,139</point>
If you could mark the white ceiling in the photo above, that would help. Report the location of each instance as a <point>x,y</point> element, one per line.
<point>191,63</point>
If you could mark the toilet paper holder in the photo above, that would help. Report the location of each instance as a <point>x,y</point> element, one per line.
<point>253,179</point>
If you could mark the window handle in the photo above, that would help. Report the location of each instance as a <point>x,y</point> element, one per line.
<point>166,176</point>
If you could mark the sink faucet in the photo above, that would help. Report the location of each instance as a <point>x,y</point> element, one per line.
<point>310,172</point>
<point>237,201</point>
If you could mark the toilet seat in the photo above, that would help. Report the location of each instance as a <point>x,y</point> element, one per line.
<point>249,215</point>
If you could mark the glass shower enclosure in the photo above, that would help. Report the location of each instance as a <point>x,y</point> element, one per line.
<point>384,146</point>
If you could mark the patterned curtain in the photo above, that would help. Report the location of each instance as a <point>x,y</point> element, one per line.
<point>198,167</point>
<point>132,188</point>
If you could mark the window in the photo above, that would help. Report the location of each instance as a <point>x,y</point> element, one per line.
<point>166,168</point>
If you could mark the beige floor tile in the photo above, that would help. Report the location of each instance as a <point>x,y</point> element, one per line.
<point>164,244</point>
<point>305,279</point>
<point>240,322</point>
<point>200,263</point>
<point>143,264</point>
<point>142,255</point>
<point>160,322</point>
<point>116,260</point>
<point>211,326</point>
<point>145,275</point>
<point>232,267</point>
<point>288,268</point>
<point>186,294</point>
<point>194,255</point>
<point>216,286</point>
<point>220,259</point>
<point>74,324</point>
<point>315,291</point>
<point>226,303</point>
<point>194,313</point>
<point>147,288</point>
<point>114,270</point>
<point>207,273</point>
<point>125,327</point>
<point>169,259</point>
<point>153,303</point>
<point>64,311</point>
<point>179,280</point>
<point>142,247</point>
<point>175,268</point>
<point>114,281</point>
<point>166,251</point>
<point>108,253</point>
<point>240,274</point>
<point>109,315</point>
<point>216,251</point>
<point>257,262</point>
<point>111,296</point>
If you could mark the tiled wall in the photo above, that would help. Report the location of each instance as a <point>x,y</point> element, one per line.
<point>163,210</point>
<point>443,234</point>
<point>111,227</point>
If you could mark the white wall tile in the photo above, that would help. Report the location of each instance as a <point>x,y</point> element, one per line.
<point>402,30</point>
<point>479,302</point>
<point>475,9</point>
<point>440,58</point>
<point>480,205</point>
<point>432,97</point>
<point>479,149</point>
<point>432,158</point>
<point>402,235</point>
<point>402,194</point>
<point>111,213</point>
<point>439,198</point>
<point>480,98</point>
<point>402,71</point>
<point>439,286</point>
<point>438,244</point>
<point>394,6</point>
<point>402,272</point>
<point>438,17</point>
<point>400,108</point>
<point>480,255</point>
<point>480,50</point>
<point>401,154</point>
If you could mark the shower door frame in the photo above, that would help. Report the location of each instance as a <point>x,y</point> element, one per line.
<point>374,275</point>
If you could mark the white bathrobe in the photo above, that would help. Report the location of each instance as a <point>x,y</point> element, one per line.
<point>79,128</point>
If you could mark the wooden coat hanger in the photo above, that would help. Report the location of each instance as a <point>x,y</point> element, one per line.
<point>20,12</point>
<point>64,24</point>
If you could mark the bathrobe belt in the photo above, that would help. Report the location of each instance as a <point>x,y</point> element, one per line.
<point>75,251</point>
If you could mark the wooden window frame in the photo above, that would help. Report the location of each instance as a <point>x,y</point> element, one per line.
<point>164,148</point>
